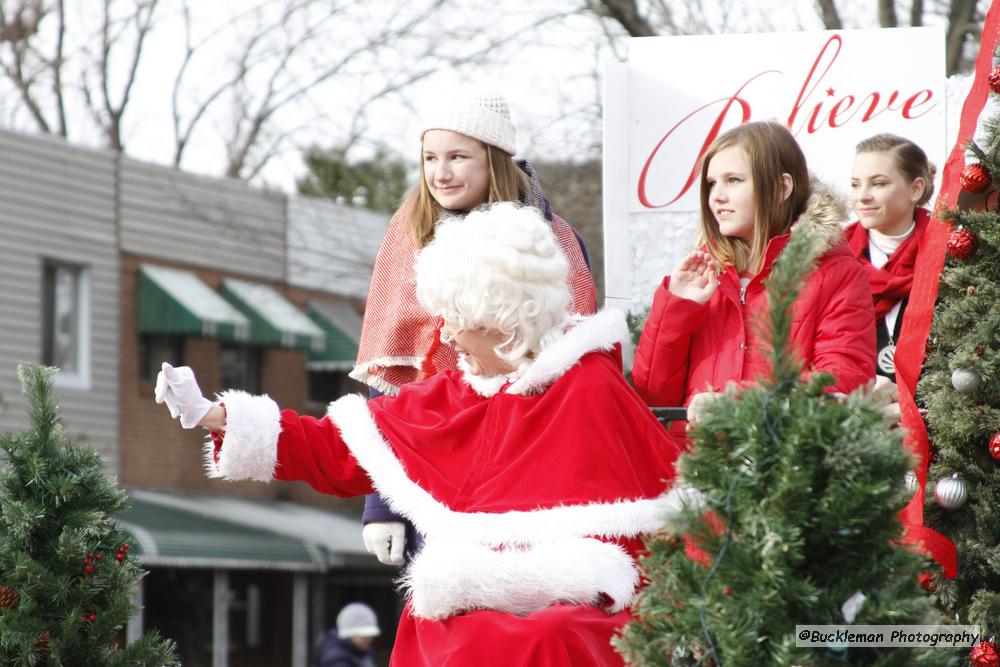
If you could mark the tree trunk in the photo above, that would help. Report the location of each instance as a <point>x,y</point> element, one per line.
<point>828,12</point>
<point>961,23</point>
<point>887,14</point>
<point>626,13</point>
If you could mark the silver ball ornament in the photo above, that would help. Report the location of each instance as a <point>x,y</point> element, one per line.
<point>950,492</point>
<point>965,380</point>
<point>912,483</point>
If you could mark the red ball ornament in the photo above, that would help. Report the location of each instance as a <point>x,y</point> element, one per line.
<point>995,447</point>
<point>975,178</point>
<point>994,79</point>
<point>984,654</point>
<point>961,244</point>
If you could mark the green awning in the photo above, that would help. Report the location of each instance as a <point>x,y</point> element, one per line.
<point>342,326</point>
<point>177,302</point>
<point>274,320</point>
<point>229,532</point>
<point>171,537</point>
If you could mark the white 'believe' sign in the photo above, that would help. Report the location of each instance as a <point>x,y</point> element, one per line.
<point>675,95</point>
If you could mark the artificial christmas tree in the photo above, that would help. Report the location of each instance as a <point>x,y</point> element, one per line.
<point>803,491</point>
<point>960,387</point>
<point>64,597</point>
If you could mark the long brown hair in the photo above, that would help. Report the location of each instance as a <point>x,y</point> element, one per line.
<point>507,183</point>
<point>771,151</point>
<point>910,159</point>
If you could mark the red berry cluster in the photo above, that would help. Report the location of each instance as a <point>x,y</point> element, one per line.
<point>122,552</point>
<point>89,617</point>
<point>88,562</point>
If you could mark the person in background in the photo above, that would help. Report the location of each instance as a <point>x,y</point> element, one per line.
<point>534,473</point>
<point>467,146</point>
<point>891,181</point>
<point>701,333</point>
<point>350,643</point>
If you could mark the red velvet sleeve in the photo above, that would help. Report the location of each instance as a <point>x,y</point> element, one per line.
<point>311,450</point>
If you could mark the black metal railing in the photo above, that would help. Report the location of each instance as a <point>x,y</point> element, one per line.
<point>666,415</point>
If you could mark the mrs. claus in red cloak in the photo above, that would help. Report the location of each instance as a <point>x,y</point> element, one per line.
<point>533,471</point>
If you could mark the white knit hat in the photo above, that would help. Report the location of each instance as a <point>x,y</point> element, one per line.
<point>357,620</point>
<point>480,113</point>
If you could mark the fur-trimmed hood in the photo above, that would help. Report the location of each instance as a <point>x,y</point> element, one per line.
<point>825,213</point>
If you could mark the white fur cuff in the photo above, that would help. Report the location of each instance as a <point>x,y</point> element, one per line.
<point>250,447</point>
<point>449,577</point>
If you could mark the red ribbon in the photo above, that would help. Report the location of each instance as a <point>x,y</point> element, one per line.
<point>919,311</point>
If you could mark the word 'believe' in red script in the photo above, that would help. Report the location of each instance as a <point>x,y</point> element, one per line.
<point>806,114</point>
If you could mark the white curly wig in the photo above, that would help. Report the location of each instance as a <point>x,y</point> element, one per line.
<point>497,268</point>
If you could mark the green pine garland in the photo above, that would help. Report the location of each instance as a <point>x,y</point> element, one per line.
<point>966,335</point>
<point>804,489</point>
<point>56,509</point>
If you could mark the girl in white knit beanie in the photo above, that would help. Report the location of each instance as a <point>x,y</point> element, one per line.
<point>466,160</point>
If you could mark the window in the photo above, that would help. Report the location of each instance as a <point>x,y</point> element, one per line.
<point>66,323</point>
<point>328,386</point>
<point>240,367</point>
<point>154,349</point>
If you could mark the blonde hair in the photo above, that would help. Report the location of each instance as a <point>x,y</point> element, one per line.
<point>771,151</point>
<point>506,183</point>
<point>498,268</point>
<point>909,158</point>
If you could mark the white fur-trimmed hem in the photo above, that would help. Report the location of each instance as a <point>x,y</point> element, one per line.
<point>622,518</point>
<point>449,577</point>
<point>597,332</point>
<point>250,447</point>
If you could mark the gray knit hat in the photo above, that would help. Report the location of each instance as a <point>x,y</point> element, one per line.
<point>480,113</point>
<point>357,620</point>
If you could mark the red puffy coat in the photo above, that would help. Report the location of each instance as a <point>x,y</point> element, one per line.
<point>687,348</point>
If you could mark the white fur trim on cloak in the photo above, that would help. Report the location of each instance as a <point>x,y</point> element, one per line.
<point>450,577</point>
<point>597,332</point>
<point>622,518</point>
<point>250,447</point>
<point>486,387</point>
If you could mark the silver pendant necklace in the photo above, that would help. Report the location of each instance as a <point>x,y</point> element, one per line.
<point>887,356</point>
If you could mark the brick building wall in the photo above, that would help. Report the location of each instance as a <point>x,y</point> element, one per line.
<point>156,454</point>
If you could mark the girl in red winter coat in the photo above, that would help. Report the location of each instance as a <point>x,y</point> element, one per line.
<point>701,333</point>
<point>890,182</point>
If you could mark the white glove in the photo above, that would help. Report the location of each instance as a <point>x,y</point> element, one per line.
<point>385,539</point>
<point>179,390</point>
